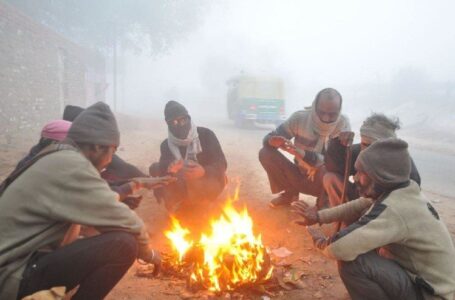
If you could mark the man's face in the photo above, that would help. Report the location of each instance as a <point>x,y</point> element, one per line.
<point>328,109</point>
<point>364,143</point>
<point>365,185</point>
<point>180,126</point>
<point>100,156</point>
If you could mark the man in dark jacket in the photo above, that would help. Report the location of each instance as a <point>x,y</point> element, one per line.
<point>118,170</point>
<point>374,128</point>
<point>192,154</point>
<point>118,173</point>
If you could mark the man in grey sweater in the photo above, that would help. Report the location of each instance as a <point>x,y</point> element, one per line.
<point>399,248</point>
<point>63,188</point>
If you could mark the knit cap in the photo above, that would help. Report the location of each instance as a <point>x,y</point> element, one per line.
<point>95,125</point>
<point>173,110</point>
<point>387,162</point>
<point>56,130</point>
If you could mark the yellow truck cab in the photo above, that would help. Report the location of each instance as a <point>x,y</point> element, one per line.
<point>252,99</point>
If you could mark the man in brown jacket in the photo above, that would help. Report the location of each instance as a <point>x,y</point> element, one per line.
<point>399,248</point>
<point>61,189</point>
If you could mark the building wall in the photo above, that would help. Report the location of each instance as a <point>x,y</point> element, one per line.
<point>40,73</point>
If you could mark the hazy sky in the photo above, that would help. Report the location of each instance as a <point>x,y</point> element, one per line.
<point>312,44</point>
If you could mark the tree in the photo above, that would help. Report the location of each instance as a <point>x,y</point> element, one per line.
<point>138,25</point>
<point>102,23</point>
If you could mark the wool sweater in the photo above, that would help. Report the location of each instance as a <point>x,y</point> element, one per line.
<point>38,208</point>
<point>305,137</point>
<point>406,228</point>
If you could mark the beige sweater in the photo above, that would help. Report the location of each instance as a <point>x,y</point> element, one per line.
<point>348,212</point>
<point>308,136</point>
<point>37,209</point>
<point>408,229</point>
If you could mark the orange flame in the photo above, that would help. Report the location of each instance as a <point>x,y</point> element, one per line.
<point>232,254</point>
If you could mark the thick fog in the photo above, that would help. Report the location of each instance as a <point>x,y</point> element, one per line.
<point>393,56</point>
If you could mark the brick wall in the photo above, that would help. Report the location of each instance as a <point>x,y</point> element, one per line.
<point>41,72</point>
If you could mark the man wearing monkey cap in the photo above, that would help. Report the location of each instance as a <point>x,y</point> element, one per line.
<point>192,154</point>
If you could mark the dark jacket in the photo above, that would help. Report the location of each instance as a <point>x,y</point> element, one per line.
<point>211,158</point>
<point>120,171</point>
<point>335,159</point>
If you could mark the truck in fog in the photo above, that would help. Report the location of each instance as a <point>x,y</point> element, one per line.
<point>252,99</point>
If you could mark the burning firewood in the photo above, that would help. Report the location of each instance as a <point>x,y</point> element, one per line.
<point>228,257</point>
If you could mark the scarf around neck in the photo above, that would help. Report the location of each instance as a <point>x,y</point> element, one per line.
<point>323,130</point>
<point>192,144</point>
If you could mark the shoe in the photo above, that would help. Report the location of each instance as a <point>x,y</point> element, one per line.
<point>284,199</point>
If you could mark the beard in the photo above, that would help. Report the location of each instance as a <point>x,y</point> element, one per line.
<point>371,190</point>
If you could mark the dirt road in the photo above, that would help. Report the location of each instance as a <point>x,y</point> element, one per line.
<point>276,226</point>
<point>140,146</point>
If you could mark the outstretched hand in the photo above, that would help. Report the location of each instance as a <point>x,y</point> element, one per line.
<point>175,166</point>
<point>346,138</point>
<point>153,182</point>
<point>284,144</point>
<point>151,256</point>
<point>309,213</point>
<point>192,170</point>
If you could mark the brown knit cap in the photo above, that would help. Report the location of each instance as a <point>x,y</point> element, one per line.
<point>95,125</point>
<point>387,162</point>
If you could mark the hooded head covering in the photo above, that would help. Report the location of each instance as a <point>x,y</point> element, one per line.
<point>321,128</point>
<point>71,112</point>
<point>56,130</point>
<point>95,125</point>
<point>173,109</point>
<point>387,162</point>
<point>378,127</point>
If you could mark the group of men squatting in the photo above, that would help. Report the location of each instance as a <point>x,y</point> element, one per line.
<point>67,210</point>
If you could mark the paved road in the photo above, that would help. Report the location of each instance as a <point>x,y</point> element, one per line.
<point>436,170</point>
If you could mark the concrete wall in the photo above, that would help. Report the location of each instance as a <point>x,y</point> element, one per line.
<point>40,73</point>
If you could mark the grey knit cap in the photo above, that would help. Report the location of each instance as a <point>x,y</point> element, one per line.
<point>387,162</point>
<point>95,125</point>
<point>173,110</point>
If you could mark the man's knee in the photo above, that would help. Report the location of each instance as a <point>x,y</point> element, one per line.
<point>125,245</point>
<point>266,155</point>
<point>359,266</point>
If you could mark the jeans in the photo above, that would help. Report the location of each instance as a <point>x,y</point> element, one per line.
<point>96,264</point>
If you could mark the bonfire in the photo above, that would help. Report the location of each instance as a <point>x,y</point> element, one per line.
<point>225,258</point>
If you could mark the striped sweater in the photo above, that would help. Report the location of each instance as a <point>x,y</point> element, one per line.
<point>406,228</point>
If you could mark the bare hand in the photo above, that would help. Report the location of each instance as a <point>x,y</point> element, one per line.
<point>319,238</point>
<point>192,170</point>
<point>277,141</point>
<point>153,182</point>
<point>309,214</point>
<point>346,138</point>
<point>151,256</point>
<point>175,166</point>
